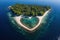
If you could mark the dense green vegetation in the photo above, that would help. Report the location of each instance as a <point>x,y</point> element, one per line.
<point>29,10</point>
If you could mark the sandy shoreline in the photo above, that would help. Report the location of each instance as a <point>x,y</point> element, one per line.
<point>18,18</point>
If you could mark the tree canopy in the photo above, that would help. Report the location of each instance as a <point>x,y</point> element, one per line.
<point>29,10</point>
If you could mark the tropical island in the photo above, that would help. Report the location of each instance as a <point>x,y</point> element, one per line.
<point>29,10</point>
<point>29,17</point>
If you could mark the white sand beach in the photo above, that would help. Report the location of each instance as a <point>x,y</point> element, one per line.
<point>18,18</point>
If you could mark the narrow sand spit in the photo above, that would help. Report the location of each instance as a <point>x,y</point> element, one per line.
<point>18,18</point>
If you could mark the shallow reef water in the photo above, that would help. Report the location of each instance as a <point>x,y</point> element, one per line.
<point>40,32</point>
<point>30,22</point>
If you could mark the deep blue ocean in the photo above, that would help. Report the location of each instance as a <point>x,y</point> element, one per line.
<point>8,33</point>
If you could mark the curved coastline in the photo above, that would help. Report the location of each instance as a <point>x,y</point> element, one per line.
<point>18,18</point>
<point>32,21</point>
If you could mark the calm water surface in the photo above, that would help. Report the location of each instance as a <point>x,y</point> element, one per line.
<point>7,32</point>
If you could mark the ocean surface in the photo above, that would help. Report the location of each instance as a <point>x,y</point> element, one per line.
<point>8,33</point>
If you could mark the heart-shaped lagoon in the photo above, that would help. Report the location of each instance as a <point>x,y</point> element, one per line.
<point>29,22</point>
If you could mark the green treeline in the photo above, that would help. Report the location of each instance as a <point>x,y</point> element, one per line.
<point>29,10</point>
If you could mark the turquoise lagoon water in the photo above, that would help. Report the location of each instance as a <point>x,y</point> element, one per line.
<point>30,23</point>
